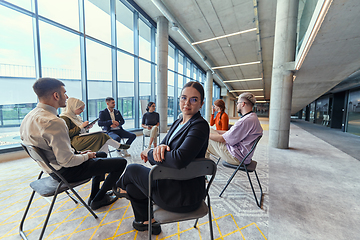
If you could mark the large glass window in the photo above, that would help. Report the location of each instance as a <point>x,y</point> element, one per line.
<point>124,27</point>
<point>322,110</point>
<point>125,73</point>
<point>312,112</point>
<point>98,59</point>
<point>305,12</point>
<point>170,112</point>
<point>144,41</point>
<point>97,20</point>
<point>22,3</point>
<point>180,64</point>
<point>188,71</point>
<point>17,73</point>
<point>171,58</point>
<point>65,12</point>
<point>353,117</point>
<point>60,55</point>
<point>144,82</point>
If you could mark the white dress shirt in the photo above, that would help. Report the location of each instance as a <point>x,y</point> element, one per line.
<point>112,115</point>
<point>44,129</point>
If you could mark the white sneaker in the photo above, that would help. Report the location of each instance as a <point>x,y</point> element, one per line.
<point>125,153</point>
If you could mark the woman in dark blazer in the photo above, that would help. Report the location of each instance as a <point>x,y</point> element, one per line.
<point>186,140</point>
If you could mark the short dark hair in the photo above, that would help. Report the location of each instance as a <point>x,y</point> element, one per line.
<point>44,87</point>
<point>198,87</point>
<point>108,99</point>
<point>149,105</point>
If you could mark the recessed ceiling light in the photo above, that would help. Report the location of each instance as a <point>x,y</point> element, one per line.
<point>237,65</point>
<point>248,90</point>
<point>224,36</point>
<point>244,80</point>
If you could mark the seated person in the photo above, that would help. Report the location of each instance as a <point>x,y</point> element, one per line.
<point>186,140</point>
<point>112,121</point>
<point>150,123</point>
<point>42,128</point>
<point>234,144</point>
<point>94,142</point>
<point>221,120</point>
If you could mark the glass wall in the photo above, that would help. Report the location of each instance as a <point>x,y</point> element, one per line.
<point>305,12</point>
<point>92,64</point>
<point>353,114</point>
<point>312,112</point>
<point>322,110</point>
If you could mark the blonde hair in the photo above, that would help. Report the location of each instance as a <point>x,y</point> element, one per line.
<point>248,96</point>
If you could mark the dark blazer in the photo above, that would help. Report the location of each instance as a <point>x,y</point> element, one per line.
<point>105,119</point>
<point>188,144</point>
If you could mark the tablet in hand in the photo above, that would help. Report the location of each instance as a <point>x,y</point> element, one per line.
<point>93,122</point>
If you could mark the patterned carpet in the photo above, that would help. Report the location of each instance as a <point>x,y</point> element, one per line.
<point>235,214</point>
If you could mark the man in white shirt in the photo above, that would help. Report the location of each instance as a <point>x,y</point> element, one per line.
<point>43,128</point>
<point>111,121</point>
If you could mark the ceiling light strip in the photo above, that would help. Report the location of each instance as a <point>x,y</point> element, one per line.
<point>236,65</point>
<point>247,90</point>
<point>244,80</point>
<point>225,36</point>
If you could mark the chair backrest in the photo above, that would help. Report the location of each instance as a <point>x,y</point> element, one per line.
<point>199,167</point>
<point>252,148</point>
<point>38,156</point>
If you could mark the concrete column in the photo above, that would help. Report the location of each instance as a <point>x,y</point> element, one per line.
<point>162,68</point>
<point>282,79</point>
<point>208,94</point>
<point>227,101</point>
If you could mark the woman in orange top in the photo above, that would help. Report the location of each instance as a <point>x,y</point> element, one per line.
<point>221,120</point>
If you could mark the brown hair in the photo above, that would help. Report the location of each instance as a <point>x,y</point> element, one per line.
<point>221,104</point>
<point>44,87</point>
<point>198,87</point>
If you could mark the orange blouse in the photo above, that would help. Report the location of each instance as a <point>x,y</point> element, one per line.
<point>220,125</point>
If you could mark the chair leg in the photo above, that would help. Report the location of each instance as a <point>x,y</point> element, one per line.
<point>261,192</point>
<point>196,223</point>
<point>21,231</point>
<point>76,202</point>
<point>49,212</point>
<point>82,202</point>
<point>228,182</point>
<point>210,219</point>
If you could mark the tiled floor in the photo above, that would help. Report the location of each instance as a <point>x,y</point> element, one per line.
<point>235,215</point>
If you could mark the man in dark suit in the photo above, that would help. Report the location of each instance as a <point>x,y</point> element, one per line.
<point>112,121</point>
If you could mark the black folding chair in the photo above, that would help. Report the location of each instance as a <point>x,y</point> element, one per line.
<point>200,167</point>
<point>251,167</point>
<point>48,187</point>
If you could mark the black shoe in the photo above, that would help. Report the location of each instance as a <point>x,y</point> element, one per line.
<point>107,200</point>
<point>109,193</point>
<point>140,226</point>
<point>123,146</point>
<point>116,191</point>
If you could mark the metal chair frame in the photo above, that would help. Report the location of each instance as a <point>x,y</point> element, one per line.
<point>251,167</point>
<point>199,167</point>
<point>54,188</point>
